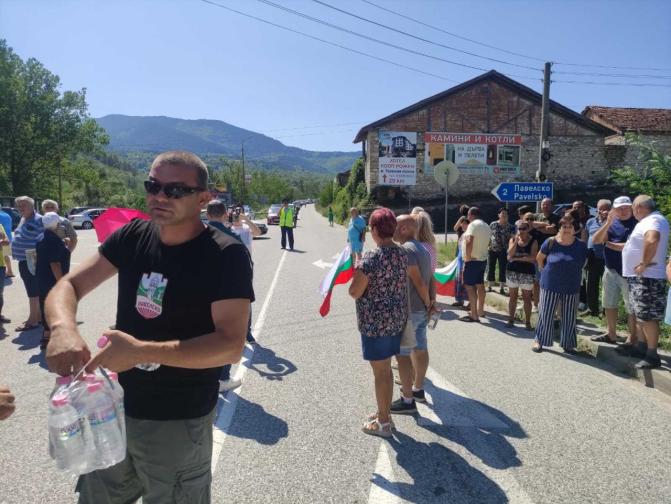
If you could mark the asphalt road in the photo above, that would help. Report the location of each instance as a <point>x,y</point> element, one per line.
<point>503,424</point>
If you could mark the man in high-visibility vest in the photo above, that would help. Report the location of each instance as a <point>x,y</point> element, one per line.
<point>287,224</point>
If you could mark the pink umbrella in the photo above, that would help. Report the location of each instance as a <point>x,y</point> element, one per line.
<point>114,218</point>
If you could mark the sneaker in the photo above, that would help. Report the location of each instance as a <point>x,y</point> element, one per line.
<point>419,395</point>
<point>400,407</point>
<point>502,291</point>
<point>648,362</point>
<point>4,320</point>
<point>629,350</point>
<point>582,307</point>
<point>226,385</point>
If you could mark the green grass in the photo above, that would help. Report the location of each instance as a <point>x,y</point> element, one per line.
<point>446,252</point>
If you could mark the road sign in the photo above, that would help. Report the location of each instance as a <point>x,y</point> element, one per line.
<point>446,172</point>
<point>519,192</point>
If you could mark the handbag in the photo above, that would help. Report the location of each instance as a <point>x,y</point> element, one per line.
<point>408,338</point>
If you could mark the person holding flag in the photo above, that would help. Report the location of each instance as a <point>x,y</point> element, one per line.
<point>380,289</point>
<point>356,233</point>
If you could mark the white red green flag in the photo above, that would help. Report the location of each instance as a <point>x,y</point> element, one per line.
<point>340,273</point>
<point>446,279</point>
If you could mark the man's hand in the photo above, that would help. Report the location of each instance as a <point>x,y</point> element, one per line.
<point>639,269</point>
<point>121,353</point>
<point>7,405</point>
<point>67,352</point>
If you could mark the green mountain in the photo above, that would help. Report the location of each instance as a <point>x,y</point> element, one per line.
<point>135,134</point>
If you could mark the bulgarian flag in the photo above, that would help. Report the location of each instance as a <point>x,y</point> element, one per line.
<point>341,272</point>
<point>446,279</point>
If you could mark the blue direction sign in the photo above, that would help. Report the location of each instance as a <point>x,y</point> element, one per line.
<point>522,191</point>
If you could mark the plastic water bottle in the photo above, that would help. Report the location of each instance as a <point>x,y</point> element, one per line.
<point>66,436</point>
<point>62,382</point>
<point>101,413</point>
<point>116,391</point>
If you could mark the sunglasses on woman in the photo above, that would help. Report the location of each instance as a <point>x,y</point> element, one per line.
<point>172,190</point>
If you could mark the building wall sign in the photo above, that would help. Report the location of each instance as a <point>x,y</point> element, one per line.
<point>474,153</point>
<point>397,158</point>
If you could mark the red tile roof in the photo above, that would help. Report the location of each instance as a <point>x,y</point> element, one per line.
<point>631,119</point>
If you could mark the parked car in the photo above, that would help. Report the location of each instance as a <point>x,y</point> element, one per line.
<point>273,216</point>
<point>262,226</point>
<point>78,210</point>
<point>560,208</point>
<point>14,214</point>
<point>84,220</point>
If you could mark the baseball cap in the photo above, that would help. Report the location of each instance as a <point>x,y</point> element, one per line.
<point>621,201</point>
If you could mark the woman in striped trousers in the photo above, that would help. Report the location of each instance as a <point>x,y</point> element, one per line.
<point>561,259</point>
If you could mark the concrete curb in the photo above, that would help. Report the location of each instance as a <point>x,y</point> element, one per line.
<point>659,379</point>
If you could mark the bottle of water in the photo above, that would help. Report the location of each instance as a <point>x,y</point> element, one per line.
<point>101,413</point>
<point>66,435</point>
<point>62,382</point>
<point>116,391</point>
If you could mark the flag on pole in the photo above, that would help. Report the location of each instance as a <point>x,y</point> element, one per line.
<point>340,273</point>
<point>446,279</point>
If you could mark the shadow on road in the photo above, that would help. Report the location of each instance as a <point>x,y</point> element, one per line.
<point>276,368</point>
<point>254,422</point>
<point>478,427</point>
<point>27,340</point>
<point>439,475</point>
<point>40,359</point>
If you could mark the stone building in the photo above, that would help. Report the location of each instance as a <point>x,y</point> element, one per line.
<point>654,125</point>
<point>492,104</point>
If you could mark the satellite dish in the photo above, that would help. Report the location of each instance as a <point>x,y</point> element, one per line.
<point>446,173</point>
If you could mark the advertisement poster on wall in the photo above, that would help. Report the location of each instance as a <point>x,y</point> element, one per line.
<point>397,158</point>
<point>474,153</point>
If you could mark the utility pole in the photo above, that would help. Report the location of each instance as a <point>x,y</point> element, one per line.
<point>543,153</point>
<point>242,187</point>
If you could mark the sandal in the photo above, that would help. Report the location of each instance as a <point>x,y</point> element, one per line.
<point>26,327</point>
<point>537,347</point>
<point>373,416</point>
<point>467,318</point>
<point>376,428</point>
<point>603,339</point>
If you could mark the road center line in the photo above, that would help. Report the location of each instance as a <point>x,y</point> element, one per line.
<point>228,403</point>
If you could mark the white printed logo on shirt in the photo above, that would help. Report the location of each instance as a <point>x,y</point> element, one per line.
<point>150,292</point>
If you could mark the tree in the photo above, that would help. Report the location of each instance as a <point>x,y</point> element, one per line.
<point>655,177</point>
<point>40,127</point>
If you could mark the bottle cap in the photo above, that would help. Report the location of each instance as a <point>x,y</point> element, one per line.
<point>63,380</point>
<point>60,400</point>
<point>91,378</point>
<point>102,341</point>
<point>94,387</point>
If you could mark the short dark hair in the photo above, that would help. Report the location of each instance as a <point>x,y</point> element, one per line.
<point>187,159</point>
<point>285,200</point>
<point>384,221</point>
<point>502,209</point>
<point>474,211</point>
<point>463,210</point>
<point>216,208</point>
<point>524,209</point>
<point>570,218</point>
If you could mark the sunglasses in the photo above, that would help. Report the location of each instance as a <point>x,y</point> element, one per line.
<point>172,190</point>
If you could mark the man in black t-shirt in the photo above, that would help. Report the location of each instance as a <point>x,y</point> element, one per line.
<point>184,291</point>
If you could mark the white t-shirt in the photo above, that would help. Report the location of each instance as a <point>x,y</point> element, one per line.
<point>481,232</point>
<point>632,254</point>
<point>245,235</point>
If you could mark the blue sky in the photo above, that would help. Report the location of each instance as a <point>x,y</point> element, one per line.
<point>190,59</point>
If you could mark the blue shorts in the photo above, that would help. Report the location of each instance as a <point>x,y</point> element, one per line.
<point>474,272</point>
<point>356,246</point>
<point>381,347</point>
<point>419,322</point>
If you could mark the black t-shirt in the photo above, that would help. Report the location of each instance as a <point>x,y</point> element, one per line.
<point>50,250</point>
<point>166,293</point>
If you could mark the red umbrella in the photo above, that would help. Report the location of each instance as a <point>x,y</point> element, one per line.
<point>114,218</point>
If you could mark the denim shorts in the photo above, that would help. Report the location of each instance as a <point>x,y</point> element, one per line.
<point>380,347</point>
<point>419,322</point>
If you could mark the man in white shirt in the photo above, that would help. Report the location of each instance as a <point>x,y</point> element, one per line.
<point>643,261</point>
<point>475,247</point>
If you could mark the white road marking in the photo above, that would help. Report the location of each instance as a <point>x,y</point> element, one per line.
<point>230,400</point>
<point>323,264</point>
<point>460,411</point>
<point>384,491</point>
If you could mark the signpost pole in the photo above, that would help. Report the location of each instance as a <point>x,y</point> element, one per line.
<point>447,187</point>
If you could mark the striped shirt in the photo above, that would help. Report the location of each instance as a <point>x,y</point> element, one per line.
<point>27,234</point>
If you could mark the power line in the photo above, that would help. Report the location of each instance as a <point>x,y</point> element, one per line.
<point>320,2</point>
<point>433,27</point>
<point>636,84</point>
<point>372,39</point>
<point>334,44</point>
<point>633,76</point>
<point>452,34</point>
